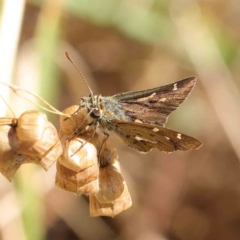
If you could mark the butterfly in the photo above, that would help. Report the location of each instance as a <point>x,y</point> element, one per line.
<point>139,117</point>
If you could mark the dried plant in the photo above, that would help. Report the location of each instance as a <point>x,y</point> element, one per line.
<point>85,163</point>
<point>29,139</point>
<point>89,166</point>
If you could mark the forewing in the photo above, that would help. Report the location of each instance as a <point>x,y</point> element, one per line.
<point>153,106</point>
<point>144,137</point>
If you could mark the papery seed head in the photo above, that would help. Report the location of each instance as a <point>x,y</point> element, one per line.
<point>122,203</point>
<point>110,184</point>
<point>41,146</point>
<point>78,154</point>
<point>83,182</point>
<point>31,125</point>
<point>79,119</point>
<point>51,156</point>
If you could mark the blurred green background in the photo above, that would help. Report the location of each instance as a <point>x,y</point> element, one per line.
<point>123,45</point>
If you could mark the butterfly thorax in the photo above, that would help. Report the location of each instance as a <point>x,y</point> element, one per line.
<point>105,110</point>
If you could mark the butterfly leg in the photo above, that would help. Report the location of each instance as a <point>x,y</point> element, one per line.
<point>95,129</point>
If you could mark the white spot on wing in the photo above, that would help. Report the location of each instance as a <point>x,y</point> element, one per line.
<point>167,137</point>
<point>146,140</point>
<point>162,99</point>
<point>138,138</point>
<point>146,98</point>
<point>179,136</point>
<point>175,87</point>
<point>152,95</point>
<point>138,121</point>
<point>155,129</point>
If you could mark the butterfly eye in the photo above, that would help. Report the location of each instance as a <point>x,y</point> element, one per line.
<point>96,113</point>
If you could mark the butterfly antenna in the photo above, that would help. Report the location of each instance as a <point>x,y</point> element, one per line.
<point>66,53</point>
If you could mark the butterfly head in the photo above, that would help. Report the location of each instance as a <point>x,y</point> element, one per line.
<point>92,103</point>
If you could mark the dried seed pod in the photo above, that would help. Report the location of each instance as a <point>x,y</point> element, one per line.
<point>46,150</point>
<point>42,145</point>
<point>111,184</point>
<point>50,156</point>
<point>77,167</point>
<point>79,120</point>
<point>122,203</point>
<point>78,154</point>
<point>10,159</point>
<point>14,151</point>
<point>83,182</point>
<point>110,177</point>
<point>31,125</point>
<point>113,196</point>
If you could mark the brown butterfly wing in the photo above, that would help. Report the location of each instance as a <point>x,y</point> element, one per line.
<point>144,137</point>
<point>153,106</point>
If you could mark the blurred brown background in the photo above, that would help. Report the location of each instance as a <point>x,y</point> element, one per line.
<point>124,45</point>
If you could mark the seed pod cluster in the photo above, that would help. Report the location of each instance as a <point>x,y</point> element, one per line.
<point>89,166</point>
<point>86,164</point>
<point>29,139</point>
